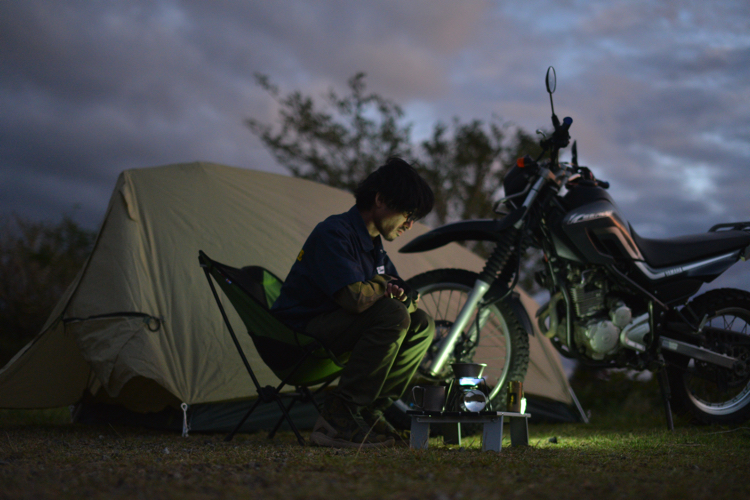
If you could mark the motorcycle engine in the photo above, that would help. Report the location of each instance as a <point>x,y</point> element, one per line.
<point>603,322</point>
<point>601,317</point>
<point>600,332</point>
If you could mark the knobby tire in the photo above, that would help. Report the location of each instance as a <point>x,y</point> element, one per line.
<point>716,395</point>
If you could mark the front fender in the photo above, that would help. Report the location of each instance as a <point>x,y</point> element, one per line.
<point>473,230</point>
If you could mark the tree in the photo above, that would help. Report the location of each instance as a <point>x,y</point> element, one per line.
<point>338,144</point>
<point>464,170</point>
<point>346,137</point>
<point>467,168</point>
<point>38,261</point>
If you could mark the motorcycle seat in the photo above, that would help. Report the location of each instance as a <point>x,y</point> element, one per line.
<point>675,251</point>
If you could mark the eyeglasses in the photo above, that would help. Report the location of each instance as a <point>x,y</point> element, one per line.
<point>411,215</point>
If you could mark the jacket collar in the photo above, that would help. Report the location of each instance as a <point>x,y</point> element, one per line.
<point>368,243</point>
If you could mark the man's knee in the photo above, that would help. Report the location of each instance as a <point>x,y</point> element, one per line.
<point>421,321</point>
<point>422,325</point>
<point>391,314</point>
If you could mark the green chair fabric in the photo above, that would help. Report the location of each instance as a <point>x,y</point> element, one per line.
<point>252,290</point>
<point>295,358</point>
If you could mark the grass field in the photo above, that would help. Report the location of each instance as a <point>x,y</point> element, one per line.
<point>43,456</point>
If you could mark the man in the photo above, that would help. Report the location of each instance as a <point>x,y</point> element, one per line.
<point>344,291</point>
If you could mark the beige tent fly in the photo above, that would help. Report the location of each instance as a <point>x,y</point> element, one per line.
<point>139,328</point>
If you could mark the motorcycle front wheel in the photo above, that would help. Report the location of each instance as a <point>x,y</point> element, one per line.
<point>500,341</point>
<point>711,393</point>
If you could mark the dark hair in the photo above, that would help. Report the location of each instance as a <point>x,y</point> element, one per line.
<point>400,186</point>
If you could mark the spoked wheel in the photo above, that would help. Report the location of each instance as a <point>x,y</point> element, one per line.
<point>495,336</point>
<point>711,393</point>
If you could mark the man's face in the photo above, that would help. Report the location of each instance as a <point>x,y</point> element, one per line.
<point>391,224</point>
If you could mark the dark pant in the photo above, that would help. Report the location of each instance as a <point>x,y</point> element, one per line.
<point>387,345</point>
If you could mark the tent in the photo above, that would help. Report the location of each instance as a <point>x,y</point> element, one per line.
<point>138,332</point>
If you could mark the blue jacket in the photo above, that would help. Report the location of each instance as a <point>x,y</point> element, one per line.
<point>338,252</point>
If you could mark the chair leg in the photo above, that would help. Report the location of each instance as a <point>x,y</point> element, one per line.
<point>300,439</point>
<point>281,419</point>
<point>247,415</point>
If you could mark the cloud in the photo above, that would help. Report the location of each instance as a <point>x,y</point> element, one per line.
<point>658,90</point>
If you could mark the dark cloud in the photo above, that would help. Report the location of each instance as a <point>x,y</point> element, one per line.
<point>658,90</point>
<point>100,88</point>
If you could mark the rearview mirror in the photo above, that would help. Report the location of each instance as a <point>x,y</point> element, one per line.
<point>551,80</point>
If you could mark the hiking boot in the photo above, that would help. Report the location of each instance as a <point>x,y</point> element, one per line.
<point>375,420</point>
<point>340,426</point>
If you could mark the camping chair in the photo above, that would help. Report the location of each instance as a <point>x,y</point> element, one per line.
<point>295,358</point>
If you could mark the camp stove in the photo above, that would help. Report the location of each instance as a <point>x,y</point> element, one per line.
<point>468,391</point>
<point>467,402</point>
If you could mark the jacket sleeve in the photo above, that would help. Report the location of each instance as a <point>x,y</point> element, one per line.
<point>359,296</point>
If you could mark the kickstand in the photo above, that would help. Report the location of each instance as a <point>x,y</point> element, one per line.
<point>666,395</point>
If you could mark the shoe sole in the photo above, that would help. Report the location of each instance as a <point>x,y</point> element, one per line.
<point>323,440</point>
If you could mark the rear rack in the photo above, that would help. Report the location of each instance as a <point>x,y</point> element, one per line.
<point>730,226</point>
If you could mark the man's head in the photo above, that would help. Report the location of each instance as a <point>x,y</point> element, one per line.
<point>396,196</point>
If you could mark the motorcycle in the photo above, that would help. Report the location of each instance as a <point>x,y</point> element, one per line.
<point>617,300</point>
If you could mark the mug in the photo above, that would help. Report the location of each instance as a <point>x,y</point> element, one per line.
<point>432,397</point>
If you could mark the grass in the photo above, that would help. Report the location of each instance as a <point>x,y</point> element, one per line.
<point>43,456</point>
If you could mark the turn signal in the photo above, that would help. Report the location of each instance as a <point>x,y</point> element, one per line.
<point>526,161</point>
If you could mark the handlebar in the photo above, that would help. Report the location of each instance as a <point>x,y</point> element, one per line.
<point>567,122</point>
<point>560,137</point>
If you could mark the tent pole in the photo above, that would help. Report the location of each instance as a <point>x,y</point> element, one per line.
<point>584,418</point>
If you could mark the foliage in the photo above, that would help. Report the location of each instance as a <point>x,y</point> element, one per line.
<point>344,138</point>
<point>38,261</point>
<point>466,168</point>
<point>338,144</point>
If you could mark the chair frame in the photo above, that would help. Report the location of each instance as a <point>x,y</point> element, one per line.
<point>269,393</point>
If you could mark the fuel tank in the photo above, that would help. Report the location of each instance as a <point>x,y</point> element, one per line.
<point>592,230</point>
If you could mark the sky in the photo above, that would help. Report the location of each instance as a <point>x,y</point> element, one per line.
<point>659,91</point>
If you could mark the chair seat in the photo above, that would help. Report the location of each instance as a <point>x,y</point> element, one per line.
<point>294,357</point>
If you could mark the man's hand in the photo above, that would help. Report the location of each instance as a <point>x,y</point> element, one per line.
<point>399,290</point>
<point>395,292</point>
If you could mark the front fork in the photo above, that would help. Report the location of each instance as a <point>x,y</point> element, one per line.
<point>494,266</point>
<point>464,317</point>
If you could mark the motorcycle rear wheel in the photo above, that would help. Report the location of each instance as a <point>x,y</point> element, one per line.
<point>714,394</point>
<point>502,343</point>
